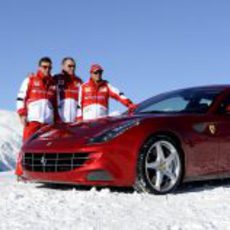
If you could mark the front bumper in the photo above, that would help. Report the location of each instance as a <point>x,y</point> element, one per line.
<point>105,165</point>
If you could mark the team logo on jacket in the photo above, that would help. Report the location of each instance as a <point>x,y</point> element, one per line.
<point>77,84</point>
<point>87,89</point>
<point>37,83</point>
<point>52,87</point>
<point>103,89</point>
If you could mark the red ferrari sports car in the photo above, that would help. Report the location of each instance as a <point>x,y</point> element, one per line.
<point>178,136</point>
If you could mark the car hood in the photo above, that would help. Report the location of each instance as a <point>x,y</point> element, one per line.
<point>74,134</point>
<point>88,129</point>
<point>77,134</point>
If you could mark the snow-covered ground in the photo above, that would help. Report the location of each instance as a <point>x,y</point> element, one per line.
<point>34,206</point>
<point>10,139</point>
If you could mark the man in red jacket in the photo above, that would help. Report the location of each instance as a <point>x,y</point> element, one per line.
<point>36,102</point>
<point>68,85</point>
<point>95,94</point>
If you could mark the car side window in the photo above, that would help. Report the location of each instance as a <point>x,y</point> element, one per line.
<point>175,104</point>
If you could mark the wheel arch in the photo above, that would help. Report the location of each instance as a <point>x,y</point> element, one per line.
<point>169,134</point>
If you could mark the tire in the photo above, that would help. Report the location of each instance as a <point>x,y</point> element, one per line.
<point>159,166</point>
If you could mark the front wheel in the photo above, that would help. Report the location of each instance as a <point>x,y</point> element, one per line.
<point>159,166</point>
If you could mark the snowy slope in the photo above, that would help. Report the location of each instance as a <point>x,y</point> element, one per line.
<point>10,139</point>
<point>33,206</point>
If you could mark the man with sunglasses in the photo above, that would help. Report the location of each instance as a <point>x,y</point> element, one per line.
<point>36,102</point>
<point>68,85</point>
<point>95,94</point>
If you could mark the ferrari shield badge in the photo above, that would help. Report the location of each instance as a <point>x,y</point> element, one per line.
<point>212,128</point>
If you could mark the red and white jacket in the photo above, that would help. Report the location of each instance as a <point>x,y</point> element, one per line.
<point>37,99</point>
<point>94,99</point>
<point>67,96</point>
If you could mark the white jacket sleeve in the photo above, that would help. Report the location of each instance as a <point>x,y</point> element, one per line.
<point>118,95</point>
<point>21,98</point>
<point>79,105</point>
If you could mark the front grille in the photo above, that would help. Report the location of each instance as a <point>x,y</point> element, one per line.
<point>53,162</point>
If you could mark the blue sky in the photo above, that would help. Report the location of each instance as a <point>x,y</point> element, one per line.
<point>145,47</point>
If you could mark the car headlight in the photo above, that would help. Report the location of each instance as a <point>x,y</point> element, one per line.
<point>113,132</point>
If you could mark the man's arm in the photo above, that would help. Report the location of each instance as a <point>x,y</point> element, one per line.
<point>119,96</point>
<point>79,105</point>
<point>21,101</point>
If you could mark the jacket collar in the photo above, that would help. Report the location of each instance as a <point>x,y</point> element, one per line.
<point>67,77</point>
<point>96,85</point>
<point>40,75</point>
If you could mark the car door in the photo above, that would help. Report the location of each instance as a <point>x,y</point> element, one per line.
<point>223,133</point>
<point>203,146</point>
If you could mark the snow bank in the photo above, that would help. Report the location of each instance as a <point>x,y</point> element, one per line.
<point>10,139</point>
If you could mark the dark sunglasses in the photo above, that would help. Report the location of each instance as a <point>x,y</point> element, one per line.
<point>46,66</point>
<point>97,72</point>
<point>71,66</point>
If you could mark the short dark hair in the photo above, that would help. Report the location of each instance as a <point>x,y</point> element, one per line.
<point>44,59</point>
<point>66,59</point>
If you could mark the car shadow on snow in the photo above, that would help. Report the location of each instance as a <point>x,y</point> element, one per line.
<point>189,187</point>
<point>200,186</point>
<point>85,188</point>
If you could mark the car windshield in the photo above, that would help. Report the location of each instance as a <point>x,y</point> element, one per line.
<point>182,101</point>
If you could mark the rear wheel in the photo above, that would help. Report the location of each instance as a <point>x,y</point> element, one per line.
<point>159,166</point>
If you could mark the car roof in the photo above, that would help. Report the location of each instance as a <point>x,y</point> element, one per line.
<point>208,87</point>
<point>198,88</point>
